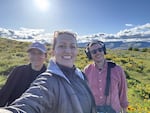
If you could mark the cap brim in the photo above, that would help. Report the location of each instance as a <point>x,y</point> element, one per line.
<point>36,48</point>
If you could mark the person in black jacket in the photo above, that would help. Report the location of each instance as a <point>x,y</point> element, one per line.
<point>22,76</point>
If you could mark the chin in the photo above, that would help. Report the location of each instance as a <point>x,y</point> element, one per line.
<point>69,65</point>
<point>34,63</point>
<point>98,60</point>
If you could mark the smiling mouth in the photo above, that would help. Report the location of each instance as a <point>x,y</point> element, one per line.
<point>98,56</point>
<point>67,57</point>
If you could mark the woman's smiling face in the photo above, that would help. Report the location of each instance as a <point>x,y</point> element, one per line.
<point>65,50</point>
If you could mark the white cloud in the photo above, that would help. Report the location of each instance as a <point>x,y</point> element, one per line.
<point>138,33</point>
<point>26,34</point>
<point>129,25</point>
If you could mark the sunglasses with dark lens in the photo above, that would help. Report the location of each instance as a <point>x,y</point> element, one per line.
<point>95,50</point>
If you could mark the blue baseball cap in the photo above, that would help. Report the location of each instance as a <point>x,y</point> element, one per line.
<point>37,45</point>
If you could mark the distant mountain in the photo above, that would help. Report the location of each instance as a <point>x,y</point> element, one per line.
<point>121,45</point>
<point>126,45</point>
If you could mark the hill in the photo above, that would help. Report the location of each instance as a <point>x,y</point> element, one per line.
<point>12,53</point>
<point>122,45</point>
<point>135,63</point>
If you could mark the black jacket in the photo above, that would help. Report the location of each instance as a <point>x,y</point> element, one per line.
<point>17,83</point>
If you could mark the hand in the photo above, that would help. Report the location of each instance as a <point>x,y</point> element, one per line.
<point>4,111</point>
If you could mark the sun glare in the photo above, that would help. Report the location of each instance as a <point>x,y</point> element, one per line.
<point>43,5</point>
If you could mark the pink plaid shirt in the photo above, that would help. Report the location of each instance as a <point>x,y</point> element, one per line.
<point>118,89</point>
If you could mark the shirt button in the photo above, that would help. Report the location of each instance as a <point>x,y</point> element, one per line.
<point>100,80</point>
<point>101,97</point>
<point>100,89</point>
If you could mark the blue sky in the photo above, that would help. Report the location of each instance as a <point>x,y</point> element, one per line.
<point>82,16</point>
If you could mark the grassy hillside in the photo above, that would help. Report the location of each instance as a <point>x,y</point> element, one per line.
<point>135,63</point>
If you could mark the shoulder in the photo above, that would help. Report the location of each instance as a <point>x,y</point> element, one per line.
<point>111,64</point>
<point>118,68</point>
<point>88,67</point>
<point>114,65</point>
<point>22,67</point>
<point>118,71</point>
<point>18,69</point>
<point>47,78</point>
<point>48,81</point>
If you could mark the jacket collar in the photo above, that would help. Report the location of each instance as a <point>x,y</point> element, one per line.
<point>53,68</point>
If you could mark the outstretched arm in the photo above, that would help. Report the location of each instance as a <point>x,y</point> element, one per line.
<point>39,98</point>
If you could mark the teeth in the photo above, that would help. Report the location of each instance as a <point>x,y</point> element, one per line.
<point>98,56</point>
<point>67,57</point>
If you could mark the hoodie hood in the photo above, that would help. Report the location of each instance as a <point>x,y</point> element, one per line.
<point>53,68</point>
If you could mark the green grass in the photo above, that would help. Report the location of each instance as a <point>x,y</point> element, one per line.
<point>135,63</point>
<point>2,80</point>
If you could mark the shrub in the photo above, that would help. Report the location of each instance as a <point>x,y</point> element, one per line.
<point>144,50</point>
<point>130,48</point>
<point>136,49</point>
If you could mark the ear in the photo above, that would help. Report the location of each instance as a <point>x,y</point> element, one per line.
<point>88,54</point>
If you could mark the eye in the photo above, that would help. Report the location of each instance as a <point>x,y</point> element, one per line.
<point>73,46</point>
<point>61,46</point>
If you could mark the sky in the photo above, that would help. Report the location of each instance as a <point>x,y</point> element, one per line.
<point>82,16</point>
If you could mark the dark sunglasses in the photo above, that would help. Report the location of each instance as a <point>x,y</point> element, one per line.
<point>95,50</point>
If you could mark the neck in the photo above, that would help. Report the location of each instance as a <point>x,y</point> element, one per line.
<point>100,65</point>
<point>67,67</point>
<point>36,67</point>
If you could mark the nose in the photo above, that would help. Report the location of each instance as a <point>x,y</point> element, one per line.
<point>67,50</point>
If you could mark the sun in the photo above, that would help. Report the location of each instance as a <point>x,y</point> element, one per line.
<point>42,5</point>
